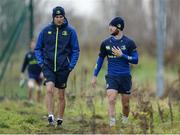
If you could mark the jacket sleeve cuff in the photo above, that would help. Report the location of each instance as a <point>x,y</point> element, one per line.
<point>70,68</point>
<point>124,56</point>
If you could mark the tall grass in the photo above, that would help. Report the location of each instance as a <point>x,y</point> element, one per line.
<point>86,110</point>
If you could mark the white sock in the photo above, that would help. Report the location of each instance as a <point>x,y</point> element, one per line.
<point>60,119</point>
<point>112,121</point>
<point>124,119</point>
<point>51,115</point>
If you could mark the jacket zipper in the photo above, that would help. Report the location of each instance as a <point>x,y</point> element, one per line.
<point>68,60</point>
<point>55,55</point>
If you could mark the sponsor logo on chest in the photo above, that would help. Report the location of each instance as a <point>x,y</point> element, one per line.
<point>108,47</point>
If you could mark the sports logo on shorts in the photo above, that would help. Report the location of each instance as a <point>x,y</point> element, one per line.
<point>128,92</point>
<point>63,85</point>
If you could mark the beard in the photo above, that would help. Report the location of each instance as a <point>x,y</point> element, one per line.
<point>116,32</point>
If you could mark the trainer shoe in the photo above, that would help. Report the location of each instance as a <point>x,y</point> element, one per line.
<point>112,122</point>
<point>51,120</point>
<point>59,122</point>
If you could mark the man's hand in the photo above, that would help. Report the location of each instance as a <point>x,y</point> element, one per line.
<point>22,80</point>
<point>94,81</point>
<point>117,51</point>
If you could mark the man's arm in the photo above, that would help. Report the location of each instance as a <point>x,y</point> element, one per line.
<point>133,58</point>
<point>39,50</point>
<point>99,64</point>
<point>24,65</point>
<point>23,68</point>
<point>102,55</point>
<point>75,50</point>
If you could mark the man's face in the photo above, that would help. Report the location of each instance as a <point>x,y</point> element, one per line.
<point>113,30</point>
<point>32,45</point>
<point>59,20</point>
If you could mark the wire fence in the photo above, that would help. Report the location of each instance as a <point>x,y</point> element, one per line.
<point>14,31</point>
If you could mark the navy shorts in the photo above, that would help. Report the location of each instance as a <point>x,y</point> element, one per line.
<point>59,78</point>
<point>38,79</point>
<point>122,84</point>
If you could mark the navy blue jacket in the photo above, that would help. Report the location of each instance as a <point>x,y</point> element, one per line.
<point>117,66</point>
<point>57,47</point>
<point>30,61</point>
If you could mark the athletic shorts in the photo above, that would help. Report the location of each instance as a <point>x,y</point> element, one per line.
<point>32,83</point>
<point>59,78</point>
<point>122,84</point>
<point>37,79</point>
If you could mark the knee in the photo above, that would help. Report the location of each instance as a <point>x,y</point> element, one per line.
<point>49,91</point>
<point>31,84</point>
<point>49,87</point>
<point>112,100</point>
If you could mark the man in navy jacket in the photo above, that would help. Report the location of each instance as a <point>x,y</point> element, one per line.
<point>57,51</point>
<point>121,51</point>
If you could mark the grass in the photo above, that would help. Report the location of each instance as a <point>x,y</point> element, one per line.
<point>86,110</point>
<point>23,117</point>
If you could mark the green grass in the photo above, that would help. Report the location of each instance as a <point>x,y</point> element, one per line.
<point>23,117</point>
<point>145,70</point>
<point>19,116</point>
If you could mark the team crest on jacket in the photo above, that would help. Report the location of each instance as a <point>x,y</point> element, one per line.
<point>108,47</point>
<point>123,47</point>
<point>29,56</point>
<point>64,33</point>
